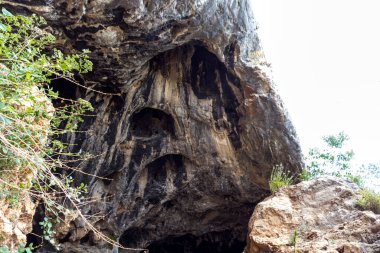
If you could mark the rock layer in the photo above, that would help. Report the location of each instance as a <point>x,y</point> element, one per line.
<point>321,215</point>
<point>185,145</point>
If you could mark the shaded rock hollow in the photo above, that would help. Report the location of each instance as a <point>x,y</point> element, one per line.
<point>186,143</point>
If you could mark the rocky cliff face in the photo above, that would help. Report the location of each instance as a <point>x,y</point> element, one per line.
<point>187,125</point>
<point>321,215</point>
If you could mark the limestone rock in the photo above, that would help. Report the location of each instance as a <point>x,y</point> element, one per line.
<point>16,222</point>
<point>324,214</point>
<point>187,125</point>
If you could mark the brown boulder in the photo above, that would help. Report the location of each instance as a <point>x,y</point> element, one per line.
<point>323,214</point>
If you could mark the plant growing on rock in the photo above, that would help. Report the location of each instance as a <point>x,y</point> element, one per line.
<point>293,240</point>
<point>369,200</point>
<point>30,152</point>
<point>279,178</point>
<point>20,249</point>
<point>333,160</point>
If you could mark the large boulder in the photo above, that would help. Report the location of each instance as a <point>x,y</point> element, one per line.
<point>187,124</point>
<point>319,215</point>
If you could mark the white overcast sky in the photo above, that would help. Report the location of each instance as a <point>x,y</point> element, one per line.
<point>325,57</point>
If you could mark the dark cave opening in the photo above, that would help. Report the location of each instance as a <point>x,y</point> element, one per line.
<point>66,89</point>
<point>158,172</point>
<point>204,68</point>
<point>215,242</point>
<point>35,237</point>
<point>150,122</point>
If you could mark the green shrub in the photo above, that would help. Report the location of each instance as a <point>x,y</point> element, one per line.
<point>369,200</point>
<point>333,159</point>
<point>305,175</point>
<point>279,178</point>
<point>29,125</point>
<point>20,249</point>
<point>28,122</point>
<point>31,155</point>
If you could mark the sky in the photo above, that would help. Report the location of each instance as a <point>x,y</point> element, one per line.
<point>325,57</point>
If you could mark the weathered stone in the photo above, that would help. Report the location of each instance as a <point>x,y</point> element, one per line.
<point>324,214</point>
<point>16,221</point>
<point>186,144</point>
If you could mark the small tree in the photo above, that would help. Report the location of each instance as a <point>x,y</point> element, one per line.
<point>333,159</point>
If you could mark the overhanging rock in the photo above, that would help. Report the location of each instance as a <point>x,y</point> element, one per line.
<point>188,142</point>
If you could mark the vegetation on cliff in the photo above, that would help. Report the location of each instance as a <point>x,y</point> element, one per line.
<point>334,159</point>
<point>29,125</point>
<point>279,178</point>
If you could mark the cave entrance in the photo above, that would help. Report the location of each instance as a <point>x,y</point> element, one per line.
<point>216,242</point>
<point>66,89</point>
<point>150,122</point>
<point>172,166</point>
<point>213,242</point>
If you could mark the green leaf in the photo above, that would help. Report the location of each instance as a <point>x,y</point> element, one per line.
<point>3,27</point>
<point>5,120</point>
<point>4,150</point>
<point>6,12</point>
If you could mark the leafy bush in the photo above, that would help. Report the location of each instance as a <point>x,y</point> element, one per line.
<point>26,111</point>
<point>335,160</point>
<point>30,152</point>
<point>332,160</point>
<point>31,155</point>
<point>279,178</point>
<point>305,175</point>
<point>369,200</point>
<point>20,249</point>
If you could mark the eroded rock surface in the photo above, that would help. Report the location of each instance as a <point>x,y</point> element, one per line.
<point>324,214</point>
<point>16,222</point>
<point>186,144</point>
